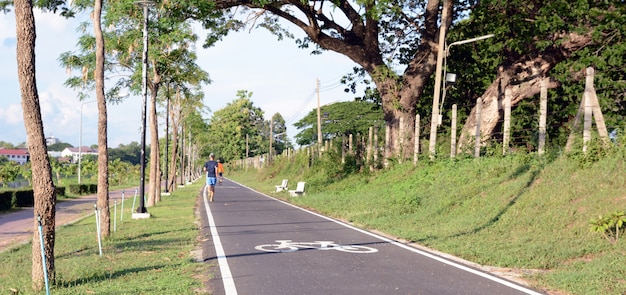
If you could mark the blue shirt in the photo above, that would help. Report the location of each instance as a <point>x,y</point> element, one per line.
<point>210,167</point>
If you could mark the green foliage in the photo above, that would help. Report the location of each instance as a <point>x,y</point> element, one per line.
<point>7,200</point>
<point>596,150</point>
<point>24,198</point>
<point>527,29</point>
<point>342,118</point>
<point>9,172</point>
<point>59,146</point>
<point>83,189</point>
<point>279,132</point>
<point>129,153</point>
<point>610,226</point>
<point>233,127</point>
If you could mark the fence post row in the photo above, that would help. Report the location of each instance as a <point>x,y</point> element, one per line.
<point>588,111</point>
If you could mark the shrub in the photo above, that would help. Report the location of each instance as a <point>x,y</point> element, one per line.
<point>24,198</point>
<point>609,226</point>
<point>60,191</point>
<point>6,200</point>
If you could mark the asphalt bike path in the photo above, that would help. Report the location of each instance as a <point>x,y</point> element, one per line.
<point>260,245</point>
<point>16,227</point>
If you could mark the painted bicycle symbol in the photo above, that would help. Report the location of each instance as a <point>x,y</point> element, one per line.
<point>290,246</point>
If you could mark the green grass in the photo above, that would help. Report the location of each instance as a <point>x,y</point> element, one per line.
<point>520,212</point>
<point>523,212</point>
<point>149,256</point>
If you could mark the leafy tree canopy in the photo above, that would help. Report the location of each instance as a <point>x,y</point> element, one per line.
<point>229,127</point>
<point>59,146</point>
<point>342,118</point>
<point>568,36</point>
<point>127,153</point>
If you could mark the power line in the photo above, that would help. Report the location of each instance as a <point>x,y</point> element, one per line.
<point>297,113</point>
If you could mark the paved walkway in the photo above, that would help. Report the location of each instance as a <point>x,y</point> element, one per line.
<point>17,227</point>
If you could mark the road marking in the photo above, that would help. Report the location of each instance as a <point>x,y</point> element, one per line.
<point>290,246</point>
<point>414,250</point>
<point>227,277</point>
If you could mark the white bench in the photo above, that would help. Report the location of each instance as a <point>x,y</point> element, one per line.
<point>282,186</point>
<point>299,191</point>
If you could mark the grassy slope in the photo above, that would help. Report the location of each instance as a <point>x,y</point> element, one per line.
<point>517,212</point>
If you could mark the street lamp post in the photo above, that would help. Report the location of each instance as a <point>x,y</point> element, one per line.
<point>167,138</point>
<point>144,93</point>
<point>441,56</point>
<point>80,138</point>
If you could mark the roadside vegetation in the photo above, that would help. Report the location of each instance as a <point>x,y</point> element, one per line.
<point>149,256</point>
<point>552,219</point>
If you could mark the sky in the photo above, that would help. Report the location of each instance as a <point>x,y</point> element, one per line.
<point>281,77</point>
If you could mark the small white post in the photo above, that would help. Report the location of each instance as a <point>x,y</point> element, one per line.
<point>115,216</point>
<point>97,212</point>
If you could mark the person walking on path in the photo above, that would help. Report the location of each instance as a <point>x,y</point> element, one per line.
<point>220,171</point>
<point>210,167</point>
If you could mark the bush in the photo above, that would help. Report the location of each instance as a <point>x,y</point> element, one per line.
<point>60,191</point>
<point>83,189</point>
<point>24,198</point>
<point>6,200</point>
<point>610,226</point>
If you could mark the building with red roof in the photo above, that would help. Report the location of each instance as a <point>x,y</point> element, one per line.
<point>20,156</point>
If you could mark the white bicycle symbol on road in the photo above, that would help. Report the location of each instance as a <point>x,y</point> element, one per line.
<point>289,246</point>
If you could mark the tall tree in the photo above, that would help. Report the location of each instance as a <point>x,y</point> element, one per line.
<point>170,57</point>
<point>103,156</point>
<point>237,125</point>
<point>43,186</point>
<point>279,132</point>
<point>187,100</point>
<point>342,118</point>
<point>376,35</point>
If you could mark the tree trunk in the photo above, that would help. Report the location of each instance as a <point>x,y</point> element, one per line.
<point>175,115</point>
<point>43,186</point>
<point>155,180</point>
<point>400,97</point>
<point>103,156</point>
<point>524,78</point>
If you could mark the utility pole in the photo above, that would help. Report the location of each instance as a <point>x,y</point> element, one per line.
<point>440,52</point>
<point>319,118</point>
<point>269,158</point>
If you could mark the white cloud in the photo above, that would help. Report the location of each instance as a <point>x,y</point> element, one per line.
<point>12,115</point>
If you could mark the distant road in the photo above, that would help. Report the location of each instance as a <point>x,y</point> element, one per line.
<point>17,227</point>
<point>260,245</point>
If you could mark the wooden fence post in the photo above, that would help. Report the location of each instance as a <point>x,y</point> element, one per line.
<point>376,146</point>
<point>506,138</point>
<point>369,145</point>
<point>595,106</point>
<point>350,144</point>
<point>587,121</point>
<point>453,133</point>
<point>543,113</point>
<point>416,142</point>
<point>343,149</point>
<point>400,140</point>
<point>387,148</point>
<point>479,110</point>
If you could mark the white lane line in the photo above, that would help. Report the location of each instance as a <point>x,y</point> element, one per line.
<point>227,277</point>
<point>415,250</point>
